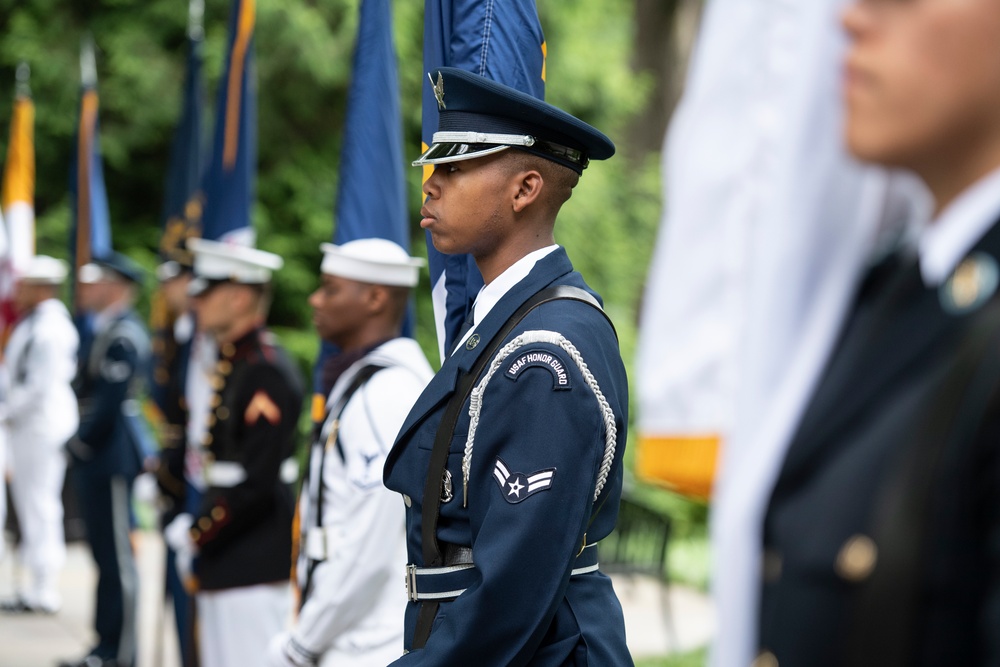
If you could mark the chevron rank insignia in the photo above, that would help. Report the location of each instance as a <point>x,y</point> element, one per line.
<point>261,405</point>
<point>518,486</point>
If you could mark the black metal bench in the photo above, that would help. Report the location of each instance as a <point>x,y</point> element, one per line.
<point>639,546</point>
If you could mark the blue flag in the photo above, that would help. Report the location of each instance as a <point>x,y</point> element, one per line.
<point>371,192</point>
<point>231,176</point>
<point>183,200</point>
<point>90,236</point>
<point>182,208</point>
<point>503,42</point>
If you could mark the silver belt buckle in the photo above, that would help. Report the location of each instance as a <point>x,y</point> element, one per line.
<point>411,583</point>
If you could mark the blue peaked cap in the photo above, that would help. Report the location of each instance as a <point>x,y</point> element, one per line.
<point>121,265</point>
<point>478,116</point>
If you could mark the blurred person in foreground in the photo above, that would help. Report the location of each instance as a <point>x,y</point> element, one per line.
<point>106,453</point>
<point>881,535</point>
<point>353,544</point>
<point>40,416</point>
<point>509,485</point>
<point>178,494</point>
<point>235,549</point>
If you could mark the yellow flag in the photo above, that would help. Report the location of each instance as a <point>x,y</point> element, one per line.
<point>18,192</point>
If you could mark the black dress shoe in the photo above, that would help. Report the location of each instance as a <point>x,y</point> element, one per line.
<point>19,606</point>
<point>90,661</point>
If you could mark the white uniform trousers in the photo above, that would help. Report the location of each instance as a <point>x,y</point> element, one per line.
<point>368,655</point>
<point>236,625</point>
<point>3,490</point>
<point>38,470</point>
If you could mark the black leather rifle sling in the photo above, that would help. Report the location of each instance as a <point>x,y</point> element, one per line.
<point>884,609</point>
<point>431,509</point>
<point>359,379</point>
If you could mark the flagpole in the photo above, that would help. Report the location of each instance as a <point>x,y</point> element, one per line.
<point>196,15</point>
<point>88,62</point>
<point>23,78</point>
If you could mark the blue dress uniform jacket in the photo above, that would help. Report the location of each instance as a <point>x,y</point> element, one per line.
<point>894,378</point>
<point>113,367</point>
<point>167,391</point>
<point>540,421</point>
<point>243,528</point>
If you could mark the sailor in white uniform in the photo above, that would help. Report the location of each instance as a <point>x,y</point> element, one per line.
<point>353,539</point>
<point>41,415</point>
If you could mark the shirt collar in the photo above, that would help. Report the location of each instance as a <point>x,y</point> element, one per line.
<point>492,293</point>
<point>956,230</point>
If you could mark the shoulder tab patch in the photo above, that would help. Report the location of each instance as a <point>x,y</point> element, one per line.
<point>540,359</point>
<point>517,487</point>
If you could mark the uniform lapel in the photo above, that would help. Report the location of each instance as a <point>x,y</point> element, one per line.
<point>902,331</point>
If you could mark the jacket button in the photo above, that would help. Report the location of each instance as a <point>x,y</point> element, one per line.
<point>407,500</point>
<point>222,412</point>
<point>771,566</point>
<point>204,523</point>
<point>207,440</point>
<point>228,349</point>
<point>225,367</point>
<point>765,659</point>
<point>218,513</point>
<point>857,558</point>
<point>216,401</point>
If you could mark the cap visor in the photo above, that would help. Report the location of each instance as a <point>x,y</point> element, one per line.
<point>441,153</point>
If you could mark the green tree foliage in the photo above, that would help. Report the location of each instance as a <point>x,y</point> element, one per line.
<point>304,53</point>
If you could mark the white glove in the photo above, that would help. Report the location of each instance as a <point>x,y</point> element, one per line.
<point>144,489</point>
<point>285,652</point>
<point>177,535</point>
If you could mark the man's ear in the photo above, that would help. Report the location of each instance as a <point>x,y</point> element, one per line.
<point>529,188</point>
<point>376,298</point>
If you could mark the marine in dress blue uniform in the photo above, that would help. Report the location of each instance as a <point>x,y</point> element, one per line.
<point>107,451</point>
<point>880,536</point>
<point>532,476</point>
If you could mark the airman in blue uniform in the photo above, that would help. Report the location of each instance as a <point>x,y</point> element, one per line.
<point>107,451</point>
<point>509,464</point>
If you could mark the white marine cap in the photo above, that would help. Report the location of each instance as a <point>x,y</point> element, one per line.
<point>215,261</point>
<point>376,261</point>
<point>43,270</point>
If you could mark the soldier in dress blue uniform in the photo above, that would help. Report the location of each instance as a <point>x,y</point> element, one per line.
<point>510,484</point>
<point>172,345</point>
<point>240,536</point>
<point>106,451</point>
<point>881,540</point>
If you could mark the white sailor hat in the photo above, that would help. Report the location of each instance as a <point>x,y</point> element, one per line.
<point>376,261</point>
<point>218,262</point>
<point>43,270</point>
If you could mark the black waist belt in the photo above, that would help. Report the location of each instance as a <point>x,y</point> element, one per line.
<point>447,582</point>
